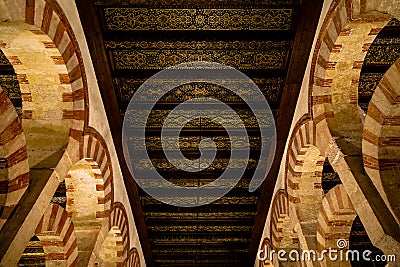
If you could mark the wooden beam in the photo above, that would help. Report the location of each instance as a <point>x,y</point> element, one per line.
<point>91,25</point>
<point>306,22</point>
<point>184,35</point>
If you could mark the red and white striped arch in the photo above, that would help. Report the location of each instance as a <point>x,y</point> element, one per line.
<point>302,139</point>
<point>94,147</point>
<point>96,171</point>
<point>119,219</point>
<point>114,238</point>
<point>279,212</point>
<point>14,178</point>
<point>339,54</point>
<point>133,260</point>
<point>49,17</point>
<point>56,233</point>
<point>335,218</point>
<point>72,181</point>
<point>303,182</point>
<point>343,42</point>
<point>51,21</point>
<point>381,140</point>
<point>282,233</point>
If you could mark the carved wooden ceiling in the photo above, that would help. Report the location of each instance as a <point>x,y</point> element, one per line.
<point>382,53</point>
<point>142,39</point>
<point>9,82</point>
<point>269,41</point>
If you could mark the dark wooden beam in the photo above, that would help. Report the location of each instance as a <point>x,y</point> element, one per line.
<point>255,73</point>
<point>203,209</point>
<point>306,22</point>
<point>196,35</point>
<point>91,26</point>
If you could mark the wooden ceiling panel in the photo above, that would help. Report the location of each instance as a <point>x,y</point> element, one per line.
<point>139,38</point>
<point>202,3</point>
<point>381,54</point>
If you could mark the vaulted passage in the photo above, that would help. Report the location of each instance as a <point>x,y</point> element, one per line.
<point>256,38</point>
<point>139,39</point>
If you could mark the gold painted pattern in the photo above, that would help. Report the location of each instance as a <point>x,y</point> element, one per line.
<point>249,200</point>
<point>185,238</point>
<point>269,87</point>
<point>9,83</point>
<point>187,215</point>
<point>197,19</point>
<point>383,55</point>
<point>368,83</point>
<point>202,228</point>
<point>270,3</point>
<point>195,45</point>
<point>4,60</point>
<point>243,183</point>
<point>191,143</point>
<point>204,250</point>
<point>216,165</point>
<point>157,118</point>
<point>161,59</point>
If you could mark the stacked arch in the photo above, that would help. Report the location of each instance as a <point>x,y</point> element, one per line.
<point>57,236</point>
<point>283,236</point>
<point>85,205</point>
<point>51,77</point>
<point>349,29</point>
<point>335,219</point>
<point>90,193</point>
<point>119,219</point>
<point>14,170</point>
<point>304,180</point>
<point>279,213</point>
<point>14,167</point>
<point>381,146</point>
<point>94,147</point>
<point>336,70</point>
<point>133,260</point>
<point>115,247</point>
